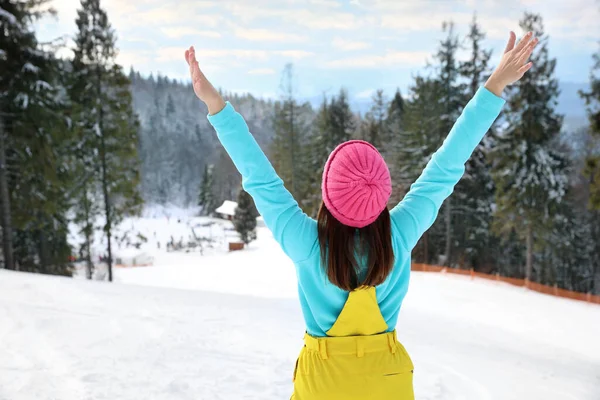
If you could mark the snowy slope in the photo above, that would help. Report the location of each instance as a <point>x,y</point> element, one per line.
<point>229,327</point>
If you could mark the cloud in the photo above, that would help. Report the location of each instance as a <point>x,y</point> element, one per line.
<point>176,32</point>
<point>266,35</point>
<point>389,59</point>
<point>138,39</point>
<point>365,94</point>
<point>326,3</point>
<point>295,54</point>
<point>136,58</point>
<point>176,13</point>
<point>203,54</point>
<point>229,55</point>
<point>262,71</point>
<point>323,21</point>
<point>426,21</point>
<point>349,45</point>
<point>257,37</point>
<point>313,17</point>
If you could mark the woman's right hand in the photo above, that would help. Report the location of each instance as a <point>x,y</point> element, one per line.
<point>202,86</point>
<point>513,64</point>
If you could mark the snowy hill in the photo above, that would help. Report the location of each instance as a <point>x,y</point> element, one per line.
<point>228,326</point>
<point>177,141</point>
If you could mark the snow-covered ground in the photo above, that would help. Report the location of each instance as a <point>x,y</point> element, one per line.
<point>228,326</point>
<point>141,240</point>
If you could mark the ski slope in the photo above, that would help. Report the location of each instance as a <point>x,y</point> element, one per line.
<point>228,326</point>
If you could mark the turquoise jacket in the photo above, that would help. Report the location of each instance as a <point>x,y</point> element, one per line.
<point>296,232</point>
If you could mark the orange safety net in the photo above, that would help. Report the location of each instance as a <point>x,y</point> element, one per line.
<point>536,287</point>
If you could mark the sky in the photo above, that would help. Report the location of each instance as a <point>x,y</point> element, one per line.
<point>243,45</point>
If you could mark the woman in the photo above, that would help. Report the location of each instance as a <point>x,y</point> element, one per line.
<point>353,263</point>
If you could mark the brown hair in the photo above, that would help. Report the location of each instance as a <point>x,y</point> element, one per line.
<point>341,245</point>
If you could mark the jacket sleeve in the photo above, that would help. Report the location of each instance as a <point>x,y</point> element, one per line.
<point>419,208</point>
<point>292,228</point>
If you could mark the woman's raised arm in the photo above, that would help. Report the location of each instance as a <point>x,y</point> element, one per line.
<point>292,228</point>
<point>419,208</point>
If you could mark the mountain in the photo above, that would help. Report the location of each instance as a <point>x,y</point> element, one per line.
<point>176,140</point>
<point>569,103</point>
<point>572,105</point>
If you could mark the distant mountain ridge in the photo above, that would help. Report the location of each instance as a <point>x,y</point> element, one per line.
<point>176,140</point>
<point>174,121</point>
<point>570,104</point>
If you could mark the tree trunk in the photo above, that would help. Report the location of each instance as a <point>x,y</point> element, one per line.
<point>107,213</point>
<point>45,262</point>
<point>7,235</point>
<point>529,261</point>
<point>89,265</point>
<point>88,239</point>
<point>108,226</point>
<point>595,284</point>
<point>448,232</point>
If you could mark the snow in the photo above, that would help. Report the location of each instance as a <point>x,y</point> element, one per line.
<point>96,129</point>
<point>228,326</point>
<point>159,227</point>
<point>22,99</point>
<point>207,273</point>
<point>158,210</point>
<point>8,16</point>
<point>227,208</point>
<point>42,85</point>
<point>134,257</point>
<point>29,67</point>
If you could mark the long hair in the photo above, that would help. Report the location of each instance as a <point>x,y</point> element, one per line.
<point>342,246</point>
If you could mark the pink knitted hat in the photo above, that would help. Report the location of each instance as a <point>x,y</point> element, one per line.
<point>356,183</point>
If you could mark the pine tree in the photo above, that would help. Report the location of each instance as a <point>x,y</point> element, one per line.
<point>333,124</point>
<point>34,143</point>
<point>206,199</point>
<point>451,103</point>
<point>592,99</point>
<point>227,179</point>
<point>85,218</point>
<point>418,139</point>
<point>290,124</point>
<point>244,219</point>
<point>475,192</point>
<point>528,170</point>
<point>108,125</point>
<point>170,106</point>
<point>420,136</point>
<point>393,146</point>
<point>592,172</point>
<point>374,125</point>
<point>318,151</point>
<point>342,122</point>
<point>569,255</point>
<point>395,119</point>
